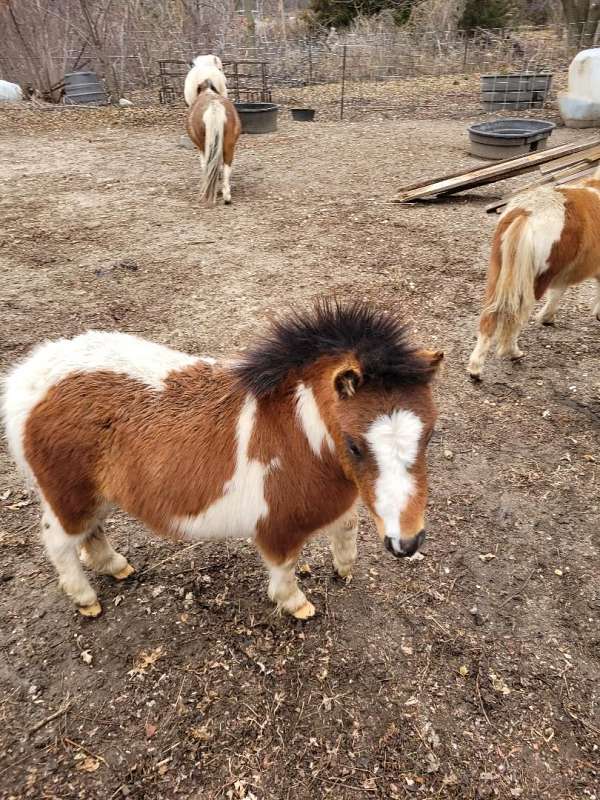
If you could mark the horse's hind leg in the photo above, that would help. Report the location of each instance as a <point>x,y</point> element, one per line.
<point>485,336</point>
<point>548,312</point>
<point>62,549</point>
<point>596,311</point>
<point>228,151</point>
<point>342,540</point>
<point>100,556</point>
<point>226,184</point>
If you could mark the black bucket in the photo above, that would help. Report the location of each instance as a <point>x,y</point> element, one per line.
<point>258,117</point>
<point>303,114</point>
<point>84,88</point>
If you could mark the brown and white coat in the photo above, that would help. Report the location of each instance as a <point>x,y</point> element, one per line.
<point>547,239</point>
<point>329,405</point>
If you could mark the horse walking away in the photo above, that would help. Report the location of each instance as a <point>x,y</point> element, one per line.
<point>204,68</point>
<point>214,127</point>
<point>547,239</point>
<point>332,404</point>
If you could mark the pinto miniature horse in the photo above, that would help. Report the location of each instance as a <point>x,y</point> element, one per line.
<point>205,68</point>
<point>214,127</point>
<point>546,239</point>
<point>330,405</point>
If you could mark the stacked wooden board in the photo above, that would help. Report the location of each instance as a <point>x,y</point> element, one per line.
<point>562,164</point>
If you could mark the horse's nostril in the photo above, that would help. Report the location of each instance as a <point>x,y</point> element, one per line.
<point>390,547</point>
<point>404,548</point>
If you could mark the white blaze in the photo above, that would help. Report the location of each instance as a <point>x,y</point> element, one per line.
<point>394,441</point>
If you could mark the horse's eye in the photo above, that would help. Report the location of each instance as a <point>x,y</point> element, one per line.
<point>353,448</point>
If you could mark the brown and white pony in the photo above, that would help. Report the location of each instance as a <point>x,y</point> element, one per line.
<point>330,405</point>
<point>214,127</point>
<point>546,239</point>
<point>204,68</point>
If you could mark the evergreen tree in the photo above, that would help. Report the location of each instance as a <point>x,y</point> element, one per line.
<point>341,13</point>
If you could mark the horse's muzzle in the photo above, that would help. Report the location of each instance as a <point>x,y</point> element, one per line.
<point>403,548</point>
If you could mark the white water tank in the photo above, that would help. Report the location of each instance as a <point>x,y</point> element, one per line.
<point>580,104</point>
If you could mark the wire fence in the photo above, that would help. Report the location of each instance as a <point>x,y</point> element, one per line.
<point>355,62</point>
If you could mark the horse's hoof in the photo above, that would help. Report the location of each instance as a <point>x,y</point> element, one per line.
<point>345,573</point>
<point>304,612</point>
<point>475,376</point>
<point>227,202</point>
<point>516,357</point>
<point>124,573</point>
<point>93,610</point>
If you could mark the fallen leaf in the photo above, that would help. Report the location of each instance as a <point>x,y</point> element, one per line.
<point>305,569</point>
<point>486,556</point>
<point>499,685</point>
<point>86,656</point>
<point>464,671</point>
<point>146,660</point>
<point>89,764</point>
<point>150,730</point>
<point>201,733</point>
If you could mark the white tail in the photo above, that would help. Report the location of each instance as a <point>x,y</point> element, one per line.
<point>214,119</point>
<point>514,293</point>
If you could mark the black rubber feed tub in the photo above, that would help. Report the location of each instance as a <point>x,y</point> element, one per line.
<point>303,114</point>
<point>506,138</point>
<point>258,117</point>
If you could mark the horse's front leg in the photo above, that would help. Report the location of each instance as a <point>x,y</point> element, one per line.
<point>342,540</point>
<point>283,586</point>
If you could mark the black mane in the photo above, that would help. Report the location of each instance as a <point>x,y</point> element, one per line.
<point>377,340</point>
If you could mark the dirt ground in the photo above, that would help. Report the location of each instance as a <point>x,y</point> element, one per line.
<point>472,673</point>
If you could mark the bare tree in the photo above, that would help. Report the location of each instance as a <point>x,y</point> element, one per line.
<point>583,20</point>
<point>98,44</point>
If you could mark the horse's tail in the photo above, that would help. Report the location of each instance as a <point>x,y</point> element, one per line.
<point>214,119</point>
<point>190,86</point>
<point>512,296</point>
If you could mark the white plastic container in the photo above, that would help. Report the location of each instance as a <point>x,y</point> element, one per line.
<point>580,105</point>
<point>10,92</point>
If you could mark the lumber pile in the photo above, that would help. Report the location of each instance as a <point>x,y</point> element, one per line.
<point>562,164</point>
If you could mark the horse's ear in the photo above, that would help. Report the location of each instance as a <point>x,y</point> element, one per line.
<point>346,380</point>
<point>433,357</point>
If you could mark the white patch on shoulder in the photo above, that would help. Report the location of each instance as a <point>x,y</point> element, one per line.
<point>51,362</point>
<point>236,513</point>
<point>545,223</point>
<point>394,441</point>
<point>311,421</point>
